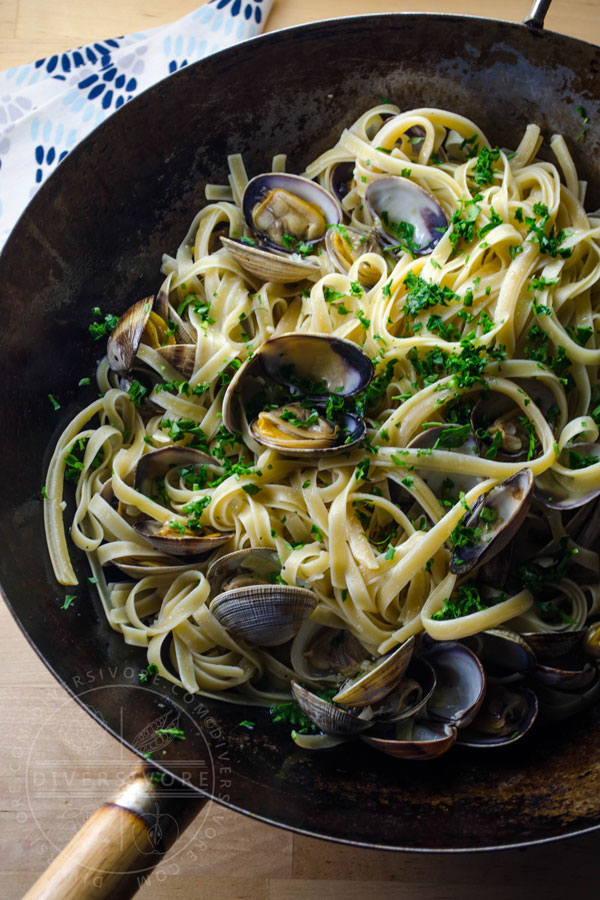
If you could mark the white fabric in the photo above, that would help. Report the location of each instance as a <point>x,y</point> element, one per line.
<point>47,107</point>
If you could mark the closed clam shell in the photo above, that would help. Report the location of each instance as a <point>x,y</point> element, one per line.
<point>268,265</point>
<point>377,679</point>
<point>326,716</point>
<point>415,740</point>
<point>264,614</point>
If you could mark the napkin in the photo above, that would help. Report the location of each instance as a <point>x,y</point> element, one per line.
<point>48,106</point>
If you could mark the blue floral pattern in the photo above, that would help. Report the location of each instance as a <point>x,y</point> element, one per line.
<point>47,106</point>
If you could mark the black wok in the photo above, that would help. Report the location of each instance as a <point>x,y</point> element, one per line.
<point>94,235</point>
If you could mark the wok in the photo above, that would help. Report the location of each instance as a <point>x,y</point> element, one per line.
<point>94,235</point>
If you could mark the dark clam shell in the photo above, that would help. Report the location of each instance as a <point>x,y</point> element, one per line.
<point>176,544</point>
<point>510,500</point>
<point>396,203</point>
<point>414,740</point>
<point>460,683</point>
<point>328,717</point>
<point>507,713</point>
<point>158,462</point>
<point>307,191</point>
<point>340,180</point>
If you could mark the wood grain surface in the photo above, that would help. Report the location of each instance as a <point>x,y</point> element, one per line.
<point>57,765</point>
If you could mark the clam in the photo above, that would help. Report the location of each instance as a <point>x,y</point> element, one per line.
<point>414,739</point>
<point>181,356</point>
<point>141,565</point>
<point>501,429</point>
<point>460,683</point>
<point>268,265</point>
<point>495,518</point>
<point>251,604</point>
<point>507,713</point>
<point>406,217</point>
<point>157,463</point>
<point>455,439</point>
<point>341,179</point>
<point>123,343</point>
<point>287,212</point>
<point>346,245</point>
<point>557,705</point>
<point>328,717</point>
<point>322,653</point>
<point>302,370</point>
<point>552,644</point>
<point>167,538</point>
<point>561,493</point>
<point>410,696</point>
<point>255,565</point>
<point>503,653</point>
<point>573,675</point>
<point>376,679</point>
<point>138,323</point>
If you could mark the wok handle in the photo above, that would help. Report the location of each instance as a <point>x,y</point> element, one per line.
<point>122,842</point>
<point>537,13</point>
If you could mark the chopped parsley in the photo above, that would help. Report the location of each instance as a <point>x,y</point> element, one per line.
<point>68,600</point>
<point>175,733</point>
<point>465,600</point>
<point>147,673</point>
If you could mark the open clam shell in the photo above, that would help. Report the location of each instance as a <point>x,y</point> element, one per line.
<point>328,717</point>
<point>321,653</point>
<point>341,179</point>
<point>181,356</point>
<point>552,644</point>
<point>175,544</point>
<point>503,653</point>
<point>309,367</point>
<point>572,676</point>
<point>269,265</point>
<point>498,514</point>
<point>157,463</point>
<point>507,713</point>
<point>410,696</point>
<point>501,429</point>
<point>460,683</point>
<point>285,211</point>
<point>406,216</point>
<point>242,568</point>
<point>328,438</point>
<point>123,343</point>
<point>414,739</point>
<point>376,679</point>
<point>346,245</point>
<point>560,493</point>
<point>265,615</point>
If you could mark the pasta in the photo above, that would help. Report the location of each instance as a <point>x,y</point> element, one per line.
<point>500,310</point>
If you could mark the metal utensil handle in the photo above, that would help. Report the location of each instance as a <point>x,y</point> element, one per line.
<point>117,848</point>
<point>537,13</point>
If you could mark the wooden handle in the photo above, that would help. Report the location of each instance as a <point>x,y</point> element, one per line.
<point>122,842</point>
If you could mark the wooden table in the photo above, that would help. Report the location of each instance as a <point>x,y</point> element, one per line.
<point>56,764</point>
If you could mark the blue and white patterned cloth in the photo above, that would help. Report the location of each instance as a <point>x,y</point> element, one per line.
<point>48,106</point>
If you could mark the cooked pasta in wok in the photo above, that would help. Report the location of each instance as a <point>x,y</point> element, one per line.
<point>352,443</point>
